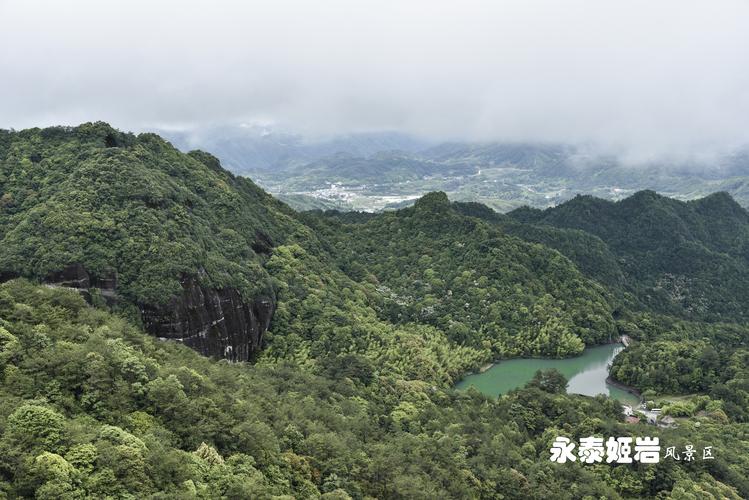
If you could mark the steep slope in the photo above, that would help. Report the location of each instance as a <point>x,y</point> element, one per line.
<point>485,289</point>
<point>689,258</point>
<point>588,252</point>
<point>133,219</point>
<point>200,256</point>
<point>366,319</point>
<point>206,258</point>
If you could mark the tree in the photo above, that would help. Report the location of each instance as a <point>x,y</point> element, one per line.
<point>33,426</point>
<point>551,381</point>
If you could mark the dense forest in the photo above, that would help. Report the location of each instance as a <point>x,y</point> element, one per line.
<point>472,281</point>
<point>681,258</point>
<point>346,390</point>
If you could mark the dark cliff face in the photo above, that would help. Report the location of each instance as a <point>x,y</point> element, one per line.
<point>75,276</point>
<point>214,322</point>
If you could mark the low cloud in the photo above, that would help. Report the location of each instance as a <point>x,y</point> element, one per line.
<point>639,79</point>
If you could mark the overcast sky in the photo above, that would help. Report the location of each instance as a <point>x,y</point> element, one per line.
<point>647,77</point>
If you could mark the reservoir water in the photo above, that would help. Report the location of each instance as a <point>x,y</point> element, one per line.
<point>586,373</point>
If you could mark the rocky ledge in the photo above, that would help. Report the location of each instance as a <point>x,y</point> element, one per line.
<point>76,277</point>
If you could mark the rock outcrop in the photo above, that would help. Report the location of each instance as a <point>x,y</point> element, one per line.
<point>77,277</point>
<point>214,322</point>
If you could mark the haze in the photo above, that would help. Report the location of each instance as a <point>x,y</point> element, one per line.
<point>640,78</point>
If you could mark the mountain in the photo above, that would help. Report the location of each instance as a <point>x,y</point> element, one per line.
<point>526,154</point>
<point>462,278</point>
<point>688,258</point>
<point>257,148</point>
<point>197,254</point>
<point>382,168</point>
<point>94,408</point>
<point>172,235</point>
<point>379,171</point>
<point>170,330</point>
<point>209,259</point>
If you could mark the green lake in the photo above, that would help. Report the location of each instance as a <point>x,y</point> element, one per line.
<point>586,373</point>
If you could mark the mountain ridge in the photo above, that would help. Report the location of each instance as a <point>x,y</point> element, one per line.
<point>668,246</point>
<point>178,236</point>
<point>504,175</point>
<point>345,333</point>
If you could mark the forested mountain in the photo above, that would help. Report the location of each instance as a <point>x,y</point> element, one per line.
<point>689,258</point>
<point>347,331</point>
<point>91,407</point>
<point>482,287</point>
<point>206,257</point>
<point>173,235</point>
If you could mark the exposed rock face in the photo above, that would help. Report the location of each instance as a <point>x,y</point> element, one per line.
<point>75,276</point>
<point>213,322</point>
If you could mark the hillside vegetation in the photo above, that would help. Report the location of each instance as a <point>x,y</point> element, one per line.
<point>92,407</point>
<point>685,258</point>
<point>136,208</point>
<point>355,327</point>
<point>437,266</point>
<point>132,205</point>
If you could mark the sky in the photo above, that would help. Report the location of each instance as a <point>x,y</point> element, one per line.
<point>640,78</point>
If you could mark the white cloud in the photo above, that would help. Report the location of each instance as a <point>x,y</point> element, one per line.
<point>644,78</point>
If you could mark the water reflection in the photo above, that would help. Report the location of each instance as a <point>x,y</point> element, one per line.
<point>586,373</point>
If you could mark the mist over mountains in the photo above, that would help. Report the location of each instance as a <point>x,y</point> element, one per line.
<point>384,170</point>
<point>256,148</point>
<point>374,250</point>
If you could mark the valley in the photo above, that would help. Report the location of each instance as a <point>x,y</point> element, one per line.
<point>502,188</point>
<point>374,250</point>
<point>170,329</point>
<point>385,171</point>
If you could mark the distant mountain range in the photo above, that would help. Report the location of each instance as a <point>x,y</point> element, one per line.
<point>340,334</point>
<point>385,170</point>
<point>255,148</point>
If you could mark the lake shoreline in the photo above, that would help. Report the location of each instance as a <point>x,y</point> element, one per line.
<point>506,374</point>
<point>623,340</point>
<point>624,387</point>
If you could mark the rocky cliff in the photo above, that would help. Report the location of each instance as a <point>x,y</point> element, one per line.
<point>214,322</point>
<point>130,220</point>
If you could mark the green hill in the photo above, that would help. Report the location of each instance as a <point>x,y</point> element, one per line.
<point>91,407</point>
<point>686,258</point>
<point>172,235</point>
<point>201,256</point>
<point>437,266</point>
<point>333,339</point>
